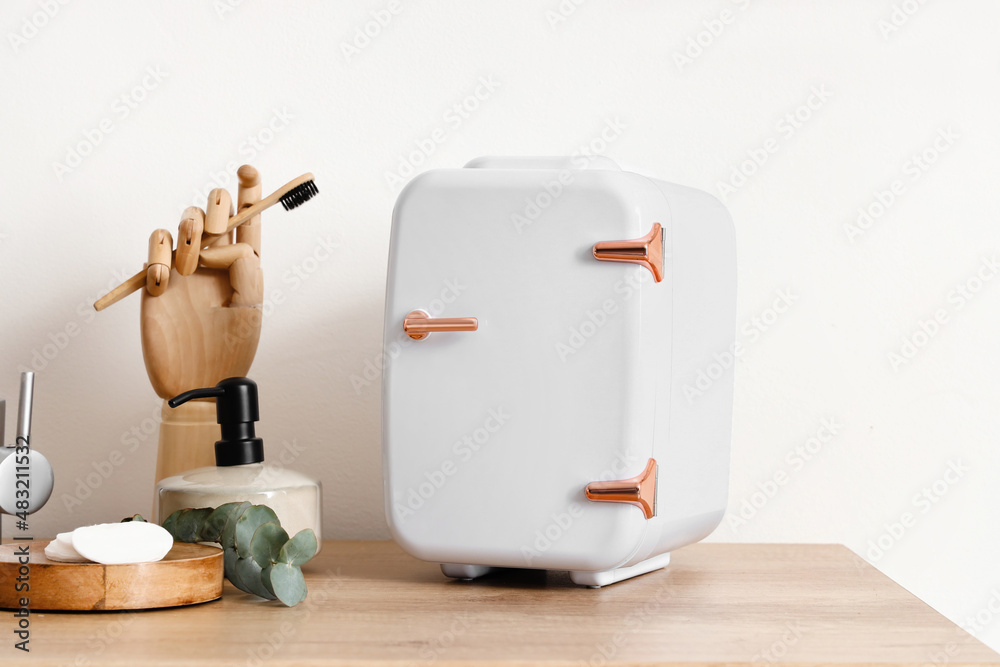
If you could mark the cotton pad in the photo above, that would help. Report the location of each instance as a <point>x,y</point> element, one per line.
<point>61,550</point>
<point>118,543</point>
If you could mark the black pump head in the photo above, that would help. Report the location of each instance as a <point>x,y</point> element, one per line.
<point>236,411</point>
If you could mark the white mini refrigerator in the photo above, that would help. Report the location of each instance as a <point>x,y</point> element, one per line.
<point>552,395</point>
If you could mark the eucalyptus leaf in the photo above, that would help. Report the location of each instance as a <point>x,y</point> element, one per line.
<point>229,558</point>
<point>253,518</point>
<point>170,524</point>
<point>248,572</point>
<point>189,523</point>
<point>267,542</point>
<point>134,517</point>
<point>288,583</point>
<point>300,548</point>
<point>211,530</point>
<point>265,578</point>
<point>228,537</point>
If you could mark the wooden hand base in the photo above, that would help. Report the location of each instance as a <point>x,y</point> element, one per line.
<point>187,438</point>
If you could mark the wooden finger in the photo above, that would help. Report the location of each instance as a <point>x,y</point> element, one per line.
<point>215,241</point>
<point>248,195</point>
<point>248,282</point>
<point>189,240</point>
<point>218,211</point>
<point>223,256</point>
<point>161,246</point>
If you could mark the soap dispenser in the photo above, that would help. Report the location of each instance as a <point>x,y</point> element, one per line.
<point>239,472</point>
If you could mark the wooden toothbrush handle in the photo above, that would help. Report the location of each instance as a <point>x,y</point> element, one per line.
<point>133,284</point>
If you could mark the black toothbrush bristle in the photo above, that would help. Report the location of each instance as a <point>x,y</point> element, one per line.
<point>300,194</point>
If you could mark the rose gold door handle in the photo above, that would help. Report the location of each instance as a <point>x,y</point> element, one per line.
<point>418,324</point>
<point>646,251</point>
<point>639,490</point>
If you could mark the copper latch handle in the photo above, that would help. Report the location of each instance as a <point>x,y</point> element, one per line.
<point>639,490</point>
<point>418,324</point>
<point>646,251</point>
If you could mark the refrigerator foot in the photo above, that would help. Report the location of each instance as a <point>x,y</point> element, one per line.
<point>606,577</point>
<point>464,572</point>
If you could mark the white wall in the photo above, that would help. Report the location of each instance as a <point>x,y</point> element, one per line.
<point>65,238</point>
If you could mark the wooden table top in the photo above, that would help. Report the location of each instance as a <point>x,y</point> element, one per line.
<point>370,602</point>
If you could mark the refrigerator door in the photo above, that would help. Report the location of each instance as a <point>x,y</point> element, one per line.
<point>491,435</point>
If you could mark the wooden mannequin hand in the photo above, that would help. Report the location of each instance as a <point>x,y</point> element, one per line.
<point>200,328</point>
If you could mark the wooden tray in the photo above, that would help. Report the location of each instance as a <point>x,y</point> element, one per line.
<point>189,574</point>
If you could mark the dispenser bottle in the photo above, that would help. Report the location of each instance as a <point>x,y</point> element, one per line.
<point>240,472</point>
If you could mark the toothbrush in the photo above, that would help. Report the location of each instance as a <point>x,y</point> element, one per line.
<point>291,195</point>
